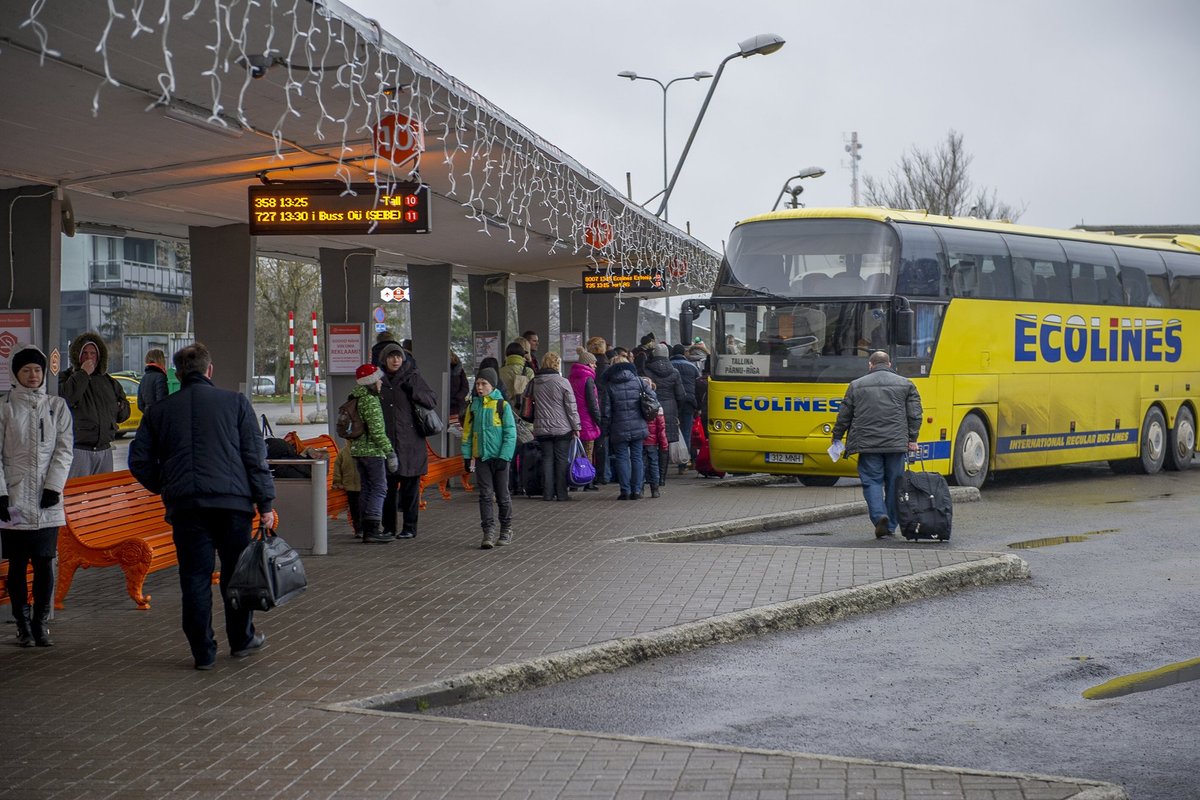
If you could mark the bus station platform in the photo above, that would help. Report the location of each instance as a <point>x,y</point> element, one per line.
<point>332,706</point>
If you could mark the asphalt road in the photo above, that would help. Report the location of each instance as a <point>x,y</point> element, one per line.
<point>990,678</point>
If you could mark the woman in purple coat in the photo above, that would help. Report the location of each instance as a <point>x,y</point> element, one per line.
<point>587,400</point>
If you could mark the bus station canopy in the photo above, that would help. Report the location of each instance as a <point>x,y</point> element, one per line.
<point>155,117</point>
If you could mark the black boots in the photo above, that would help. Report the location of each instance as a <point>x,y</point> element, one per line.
<point>371,533</point>
<point>24,633</point>
<point>40,628</point>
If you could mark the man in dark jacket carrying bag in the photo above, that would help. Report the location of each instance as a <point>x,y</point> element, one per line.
<point>882,413</point>
<point>202,451</point>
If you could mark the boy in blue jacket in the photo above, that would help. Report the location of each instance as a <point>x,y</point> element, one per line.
<point>488,443</point>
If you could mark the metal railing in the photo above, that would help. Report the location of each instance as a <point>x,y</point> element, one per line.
<point>136,276</point>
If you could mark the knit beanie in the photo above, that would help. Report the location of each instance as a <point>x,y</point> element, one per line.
<point>27,355</point>
<point>488,374</point>
<point>585,357</point>
<point>647,339</point>
<point>661,351</point>
<point>676,350</point>
<point>367,375</point>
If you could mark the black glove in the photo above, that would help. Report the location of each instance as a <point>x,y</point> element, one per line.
<point>466,465</point>
<point>4,517</point>
<point>49,498</point>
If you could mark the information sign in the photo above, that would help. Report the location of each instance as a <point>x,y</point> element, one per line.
<point>346,347</point>
<point>281,209</point>
<point>636,281</point>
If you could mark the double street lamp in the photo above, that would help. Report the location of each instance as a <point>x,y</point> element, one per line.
<point>794,191</point>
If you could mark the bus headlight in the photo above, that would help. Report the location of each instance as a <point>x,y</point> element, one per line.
<point>737,426</point>
<point>728,425</point>
<point>827,428</point>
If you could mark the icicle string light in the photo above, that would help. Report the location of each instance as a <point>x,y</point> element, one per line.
<point>331,66</point>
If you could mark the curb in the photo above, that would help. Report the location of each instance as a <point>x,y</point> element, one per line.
<point>781,519</point>
<point>612,655</point>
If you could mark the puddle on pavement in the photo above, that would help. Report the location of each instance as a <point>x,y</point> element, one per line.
<point>1169,675</point>
<point>1050,541</point>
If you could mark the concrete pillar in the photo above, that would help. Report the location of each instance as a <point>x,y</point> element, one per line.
<point>34,277</point>
<point>627,322</point>
<point>533,311</point>
<point>346,296</point>
<point>579,314</point>
<point>488,296</point>
<point>431,286</point>
<point>600,315</point>
<point>566,316</point>
<point>223,273</point>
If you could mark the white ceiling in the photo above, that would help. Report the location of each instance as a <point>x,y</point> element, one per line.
<point>131,167</point>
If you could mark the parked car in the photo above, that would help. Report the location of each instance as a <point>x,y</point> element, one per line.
<point>130,387</point>
<point>310,388</point>
<point>262,384</point>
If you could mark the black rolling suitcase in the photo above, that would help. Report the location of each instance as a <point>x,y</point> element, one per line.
<point>923,506</point>
<point>530,469</point>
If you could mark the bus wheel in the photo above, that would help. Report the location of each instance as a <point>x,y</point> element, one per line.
<point>818,480</point>
<point>972,452</point>
<point>1154,442</point>
<point>1181,442</point>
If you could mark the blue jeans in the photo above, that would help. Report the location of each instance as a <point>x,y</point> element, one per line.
<point>650,460</point>
<point>879,473</point>
<point>628,459</point>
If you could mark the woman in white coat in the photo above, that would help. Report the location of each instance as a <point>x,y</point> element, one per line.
<point>35,457</point>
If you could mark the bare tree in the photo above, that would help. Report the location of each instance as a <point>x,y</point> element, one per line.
<point>283,286</point>
<point>937,181</point>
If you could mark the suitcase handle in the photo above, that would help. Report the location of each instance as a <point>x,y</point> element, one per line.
<point>914,457</point>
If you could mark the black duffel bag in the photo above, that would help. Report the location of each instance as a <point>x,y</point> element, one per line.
<point>268,574</point>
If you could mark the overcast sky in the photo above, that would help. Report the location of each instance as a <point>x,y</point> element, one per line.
<point>1079,110</point>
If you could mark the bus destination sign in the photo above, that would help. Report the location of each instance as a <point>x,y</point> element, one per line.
<point>639,280</point>
<point>281,209</point>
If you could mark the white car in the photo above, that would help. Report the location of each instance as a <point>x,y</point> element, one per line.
<point>262,384</point>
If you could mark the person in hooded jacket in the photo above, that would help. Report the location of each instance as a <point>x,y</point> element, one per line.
<point>670,393</point>
<point>488,445</point>
<point>460,387</point>
<point>97,402</point>
<point>153,385</point>
<point>689,373</point>
<point>403,387</point>
<point>587,400</point>
<point>621,412</point>
<point>373,455</point>
<point>555,425</point>
<point>35,458</point>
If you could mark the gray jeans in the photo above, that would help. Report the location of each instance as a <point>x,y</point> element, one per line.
<point>90,462</point>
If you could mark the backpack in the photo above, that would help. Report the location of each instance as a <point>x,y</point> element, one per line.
<point>520,381</point>
<point>350,423</point>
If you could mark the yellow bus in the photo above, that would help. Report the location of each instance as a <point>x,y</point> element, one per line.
<point>1030,347</point>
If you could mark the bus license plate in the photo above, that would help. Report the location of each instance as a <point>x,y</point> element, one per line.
<point>785,458</point>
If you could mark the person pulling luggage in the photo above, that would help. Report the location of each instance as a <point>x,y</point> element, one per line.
<point>881,419</point>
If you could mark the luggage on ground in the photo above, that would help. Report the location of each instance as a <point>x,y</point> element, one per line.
<point>529,469</point>
<point>923,505</point>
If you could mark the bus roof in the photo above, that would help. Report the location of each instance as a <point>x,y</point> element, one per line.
<point>1165,241</point>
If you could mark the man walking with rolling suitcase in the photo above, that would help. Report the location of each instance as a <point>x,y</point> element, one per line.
<point>880,418</point>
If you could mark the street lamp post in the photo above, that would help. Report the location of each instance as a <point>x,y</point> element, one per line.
<point>695,76</point>
<point>808,172</point>
<point>633,76</point>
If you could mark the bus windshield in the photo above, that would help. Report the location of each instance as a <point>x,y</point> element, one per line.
<point>811,257</point>
<point>811,341</point>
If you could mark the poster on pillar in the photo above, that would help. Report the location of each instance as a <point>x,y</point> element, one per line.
<point>346,342</point>
<point>17,327</point>
<point>487,345</point>
<point>570,341</point>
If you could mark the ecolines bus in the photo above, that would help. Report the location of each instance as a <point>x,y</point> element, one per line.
<point>1030,347</point>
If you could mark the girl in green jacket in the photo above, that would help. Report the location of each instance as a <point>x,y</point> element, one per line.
<point>489,440</point>
<point>372,453</point>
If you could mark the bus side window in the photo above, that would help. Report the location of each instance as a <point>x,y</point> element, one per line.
<point>1139,267</point>
<point>1023,279</point>
<point>1185,279</point>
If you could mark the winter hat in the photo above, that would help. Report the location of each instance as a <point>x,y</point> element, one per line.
<point>661,351</point>
<point>388,349</point>
<point>28,354</point>
<point>488,374</point>
<point>676,350</point>
<point>585,357</point>
<point>647,339</point>
<point>367,375</point>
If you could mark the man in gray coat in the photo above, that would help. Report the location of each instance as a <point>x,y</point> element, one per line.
<point>882,414</point>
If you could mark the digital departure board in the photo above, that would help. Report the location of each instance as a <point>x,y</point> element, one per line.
<point>642,280</point>
<point>305,208</point>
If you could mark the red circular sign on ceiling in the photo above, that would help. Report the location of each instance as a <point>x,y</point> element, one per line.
<point>677,267</point>
<point>597,234</point>
<point>398,138</point>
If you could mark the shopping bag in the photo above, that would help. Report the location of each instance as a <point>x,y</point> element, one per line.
<point>679,452</point>
<point>268,573</point>
<point>582,470</point>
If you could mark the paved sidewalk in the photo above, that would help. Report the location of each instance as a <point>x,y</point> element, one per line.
<point>115,709</point>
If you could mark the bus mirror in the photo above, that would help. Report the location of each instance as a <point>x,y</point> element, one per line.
<point>685,322</point>
<point>903,332</point>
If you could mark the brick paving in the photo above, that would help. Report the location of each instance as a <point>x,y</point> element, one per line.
<point>116,711</point>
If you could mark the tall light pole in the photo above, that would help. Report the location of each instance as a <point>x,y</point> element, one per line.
<point>761,45</point>
<point>794,191</point>
<point>633,76</point>
<point>695,76</point>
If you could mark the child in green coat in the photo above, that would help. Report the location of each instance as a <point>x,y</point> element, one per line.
<point>489,441</point>
<point>372,454</point>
